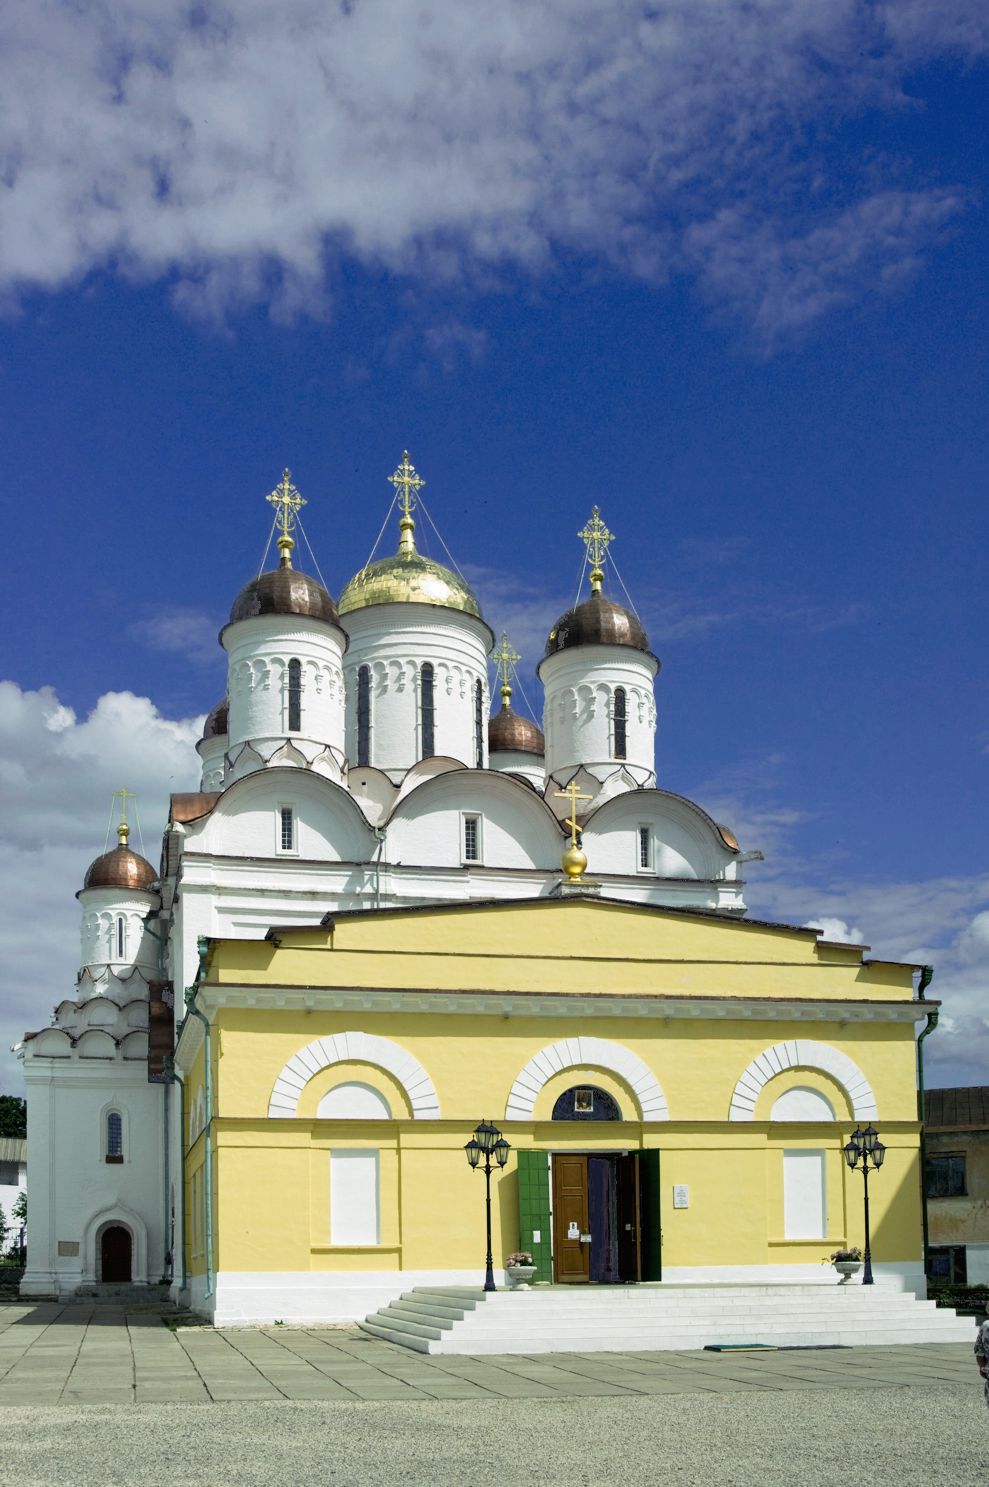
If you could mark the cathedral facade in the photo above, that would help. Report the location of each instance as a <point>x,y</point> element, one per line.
<point>389,912</point>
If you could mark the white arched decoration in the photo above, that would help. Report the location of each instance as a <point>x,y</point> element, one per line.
<point>353,1101</point>
<point>802,1053</point>
<point>127,1219</point>
<point>802,1103</point>
<point>599,1053</point>
<point>353,1047</point>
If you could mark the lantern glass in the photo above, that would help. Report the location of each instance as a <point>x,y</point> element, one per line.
<point>486,1135</point>
<point>852,1153</point>
<point>868,1138</point>
<point>501,1150</point>
<point>878,1154</point>
<point>473,1151</point>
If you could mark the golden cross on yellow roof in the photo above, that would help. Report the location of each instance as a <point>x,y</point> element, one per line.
<point>598,539</point>
<point>505,656</point>
<point>286,501</point>
<point>573,794</point>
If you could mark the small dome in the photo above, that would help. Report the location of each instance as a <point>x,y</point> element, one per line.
<point>120,868</point>
<point>283,591</point>
<point>408,578</point>
<point>216,722</point>
<point>598,621</point>
<point>507,732</point>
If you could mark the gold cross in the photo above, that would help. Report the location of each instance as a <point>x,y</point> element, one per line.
<point>124,796</point>
<point>505,656</point>
<point>407,483</point>
<point>572,793</point>
<point>598,539</point>
<point>286,501</point>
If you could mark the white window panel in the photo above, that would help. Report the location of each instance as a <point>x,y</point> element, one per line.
<point>804,1195</point>
<point>354,1217</point>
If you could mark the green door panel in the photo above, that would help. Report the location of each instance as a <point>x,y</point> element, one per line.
<point>534,1215</point>
<point>651,1226</point>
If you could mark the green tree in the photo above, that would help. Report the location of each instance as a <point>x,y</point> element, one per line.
<point>13,1116</point>
<point>19,1210</point>
<point>4,1231</point>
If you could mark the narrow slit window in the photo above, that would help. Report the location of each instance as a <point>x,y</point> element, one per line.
<point>294,696</point>
<point>645,848</point>
<point>121,936</point>
<point>427,711</point>
<point>621,718</point>
<point>479,725</point>
<point>364,715</point>
<point>114,1137</point>
<point>287,828</point>
<point>472,839</point>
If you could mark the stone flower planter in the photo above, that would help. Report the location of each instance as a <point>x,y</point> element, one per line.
<point>519,1276</point>
<point>846,1269</point>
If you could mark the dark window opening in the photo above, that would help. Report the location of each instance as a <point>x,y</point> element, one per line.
<point>586,1102</point>
<point>645,847</point>
<point>364,715</point>
<point>945,1175</point>
<point>287,817</point>
<point>620,723</point>
<point>427,711</point>
<point>479,725</point>
<point>294,696</point>
<point>948,1265</point>
<point>121,936</point>
<point>114,1137</point>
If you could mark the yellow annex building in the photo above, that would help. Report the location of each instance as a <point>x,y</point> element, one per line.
<point>717,1068</point>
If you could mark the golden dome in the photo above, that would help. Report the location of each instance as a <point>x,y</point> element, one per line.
<point>408,578</point>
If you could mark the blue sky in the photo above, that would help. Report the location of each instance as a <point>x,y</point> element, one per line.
<point>719,269</point>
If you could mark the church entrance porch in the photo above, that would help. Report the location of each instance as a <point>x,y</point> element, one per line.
<point>116,1255</point>
<point>591,1217</point>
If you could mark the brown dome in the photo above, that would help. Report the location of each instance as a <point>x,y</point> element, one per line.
<point>216,723</point>
<point>598,621</point>
<point>120,868</point>
<point>507,732</point>
<point>283,591</point>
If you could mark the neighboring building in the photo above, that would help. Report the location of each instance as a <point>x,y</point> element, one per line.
<point>957,1184</point>
<point>395,916</point>
<point>13,1182</point>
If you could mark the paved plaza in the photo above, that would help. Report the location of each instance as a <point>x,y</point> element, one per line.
<point>97,1395</point>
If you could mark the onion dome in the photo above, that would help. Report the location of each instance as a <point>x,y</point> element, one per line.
<point>216,721</point>
<point>121,868</point>
<point>598,621</point>
<point>283,590</point>
<point>408,577</point>
<point>508,732</point>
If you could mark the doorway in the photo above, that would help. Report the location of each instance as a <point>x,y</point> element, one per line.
<point>605,1217</point>
<point>116,1254</point>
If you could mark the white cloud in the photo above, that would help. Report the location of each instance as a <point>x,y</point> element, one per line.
<point>243,150</point>
<point>837,931</point>
<point>57,775</point>
<point>185,632</point>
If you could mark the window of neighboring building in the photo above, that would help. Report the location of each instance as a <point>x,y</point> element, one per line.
<point>364,715</point>
<point>286,829</point>
<point>294,696</point>
<point>8,1174</point>
<point>645,849</point>
<point>121,936</point>
<point>479,725</point>
<point>620,721</point>
<point>945,1175</point>
<point>472,838</point>
<point>114,1137</point>
<point>948,1264</point>
<point>427,712</point>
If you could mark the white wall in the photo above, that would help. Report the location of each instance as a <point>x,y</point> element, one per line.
<point>578,710</point>
<point>259,651</point>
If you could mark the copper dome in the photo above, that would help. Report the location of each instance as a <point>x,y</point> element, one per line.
<point>216,722</point>
<point>507,732</point>
<point>283,591</point>
<point>120,868</point>
<point>598,621</point>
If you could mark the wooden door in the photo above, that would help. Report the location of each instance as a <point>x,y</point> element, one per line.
<point>651,1242</point>
<point>115,1254</point>
<point>571,1254</point>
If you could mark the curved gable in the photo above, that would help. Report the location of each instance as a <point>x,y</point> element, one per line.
<point>686,842</point>
<point>244,822</point>
<point>518,830</point>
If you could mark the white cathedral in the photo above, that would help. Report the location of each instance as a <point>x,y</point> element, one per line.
<point>353,763</point>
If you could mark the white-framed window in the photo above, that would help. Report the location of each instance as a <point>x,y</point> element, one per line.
<point>470,838</point>
<point>294,696</point>
<point>113,1137</point>
<point>121,936</point>
<point>354,1201</point>
<point>286,829</point>
<point>643,849</point>
<point>805,1211</point>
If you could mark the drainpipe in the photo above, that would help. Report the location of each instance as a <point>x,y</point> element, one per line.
<point>926,977</point>
<point>176,1077</point>
<point>193,1011</point>
<point>166,1163</point>
<point>379,836</point>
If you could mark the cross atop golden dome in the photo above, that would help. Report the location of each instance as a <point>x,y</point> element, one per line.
<point>597,539</point>
<point>407,485</point>
<point>287,502</point>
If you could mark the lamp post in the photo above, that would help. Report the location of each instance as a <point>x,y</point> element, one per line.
<point>487,1142</point>
<point>865,1151</point>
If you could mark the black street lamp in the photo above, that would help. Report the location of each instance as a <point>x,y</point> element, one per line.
<point>865,1150</point>
<point>487,1142</point>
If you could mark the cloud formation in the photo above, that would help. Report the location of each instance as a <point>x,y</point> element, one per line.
<point>245,152</point>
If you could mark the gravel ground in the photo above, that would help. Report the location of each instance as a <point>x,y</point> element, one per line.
<point>874,1438</point>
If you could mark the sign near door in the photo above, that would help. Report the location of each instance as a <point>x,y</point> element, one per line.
<point>573,1231</point>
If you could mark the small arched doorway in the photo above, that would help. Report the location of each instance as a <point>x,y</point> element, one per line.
<point>116,1254</point>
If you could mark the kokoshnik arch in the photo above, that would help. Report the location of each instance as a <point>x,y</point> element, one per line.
<point>387,912</point>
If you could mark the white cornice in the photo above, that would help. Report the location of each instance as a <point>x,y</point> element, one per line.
<point>212,996</point>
